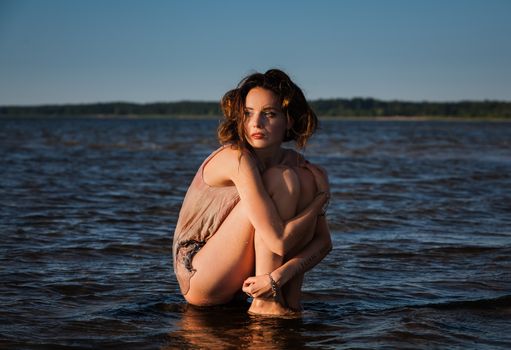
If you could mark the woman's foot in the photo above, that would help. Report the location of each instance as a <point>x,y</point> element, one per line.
<point>270,307</point>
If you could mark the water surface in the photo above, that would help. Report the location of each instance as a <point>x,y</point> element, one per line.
<point>420,219</point>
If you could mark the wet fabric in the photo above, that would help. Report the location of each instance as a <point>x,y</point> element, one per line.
<point>203,211</point>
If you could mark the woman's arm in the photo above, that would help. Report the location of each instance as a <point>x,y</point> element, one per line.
<point>310,256</point>
<point>280,236</point>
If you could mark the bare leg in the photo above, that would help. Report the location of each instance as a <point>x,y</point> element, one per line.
<point>228,258</point>
<point>292,291</point>
<point>290,190</point>
<point>224,262</point>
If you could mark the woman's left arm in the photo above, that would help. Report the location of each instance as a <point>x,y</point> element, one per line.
<point>306,259</point>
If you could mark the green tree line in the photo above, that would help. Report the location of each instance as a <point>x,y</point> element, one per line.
<point>354,107</point>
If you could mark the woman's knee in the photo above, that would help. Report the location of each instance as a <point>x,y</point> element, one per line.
<point>283,186</point>
<point>282,181</point>
<point>308,186</point>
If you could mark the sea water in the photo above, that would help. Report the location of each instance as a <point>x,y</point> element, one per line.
<point>420,218</point>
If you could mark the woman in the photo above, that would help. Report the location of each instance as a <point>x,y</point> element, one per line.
<point>253,206</point>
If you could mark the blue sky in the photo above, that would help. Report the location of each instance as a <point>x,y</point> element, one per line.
<point>81,51</point>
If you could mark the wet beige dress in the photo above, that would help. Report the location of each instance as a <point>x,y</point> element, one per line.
<point>203,211</point>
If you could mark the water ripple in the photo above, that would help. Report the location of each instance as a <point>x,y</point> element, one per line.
<point>420,220</point>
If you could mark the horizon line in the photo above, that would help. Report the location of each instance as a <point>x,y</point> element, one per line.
<point>485,100</point>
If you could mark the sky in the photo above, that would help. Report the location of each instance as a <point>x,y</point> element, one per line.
<point>86,51</point>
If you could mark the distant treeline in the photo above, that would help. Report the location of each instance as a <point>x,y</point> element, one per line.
<point>367,107</point>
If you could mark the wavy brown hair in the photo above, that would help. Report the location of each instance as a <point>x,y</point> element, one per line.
<point>292,101</point>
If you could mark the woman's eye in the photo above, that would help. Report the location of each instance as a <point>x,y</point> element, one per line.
<point>269,114</point>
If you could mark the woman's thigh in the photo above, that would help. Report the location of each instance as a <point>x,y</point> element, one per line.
<point>224,262</point>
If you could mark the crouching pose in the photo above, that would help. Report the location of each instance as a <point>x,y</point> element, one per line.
<point>253,218</point>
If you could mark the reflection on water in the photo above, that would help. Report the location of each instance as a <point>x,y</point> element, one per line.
<point>231,327</point>
<point>200,328</point>
<point>420,219</point>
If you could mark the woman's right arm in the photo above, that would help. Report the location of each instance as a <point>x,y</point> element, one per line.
<point>280,236</point>
<point>310,256</point>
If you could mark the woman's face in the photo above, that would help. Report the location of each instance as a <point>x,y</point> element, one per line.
<point>265,123</point>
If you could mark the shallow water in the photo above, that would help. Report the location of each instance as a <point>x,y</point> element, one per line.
<point>420,219</point>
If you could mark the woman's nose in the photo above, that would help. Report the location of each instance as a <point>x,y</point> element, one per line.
<point>257,120</point>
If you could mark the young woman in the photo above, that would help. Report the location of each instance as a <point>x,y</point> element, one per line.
<point>254,207</point>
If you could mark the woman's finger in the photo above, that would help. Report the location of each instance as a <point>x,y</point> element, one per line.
<point>247,285</point>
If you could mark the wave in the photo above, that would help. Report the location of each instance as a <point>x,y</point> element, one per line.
<point>498,303</point>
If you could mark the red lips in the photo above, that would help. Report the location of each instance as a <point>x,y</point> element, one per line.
<point>257,135</point>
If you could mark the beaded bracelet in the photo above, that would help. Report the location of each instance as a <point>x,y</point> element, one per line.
<point>274,287</point>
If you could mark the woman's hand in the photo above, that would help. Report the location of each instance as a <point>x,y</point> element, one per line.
<point>258,287</point>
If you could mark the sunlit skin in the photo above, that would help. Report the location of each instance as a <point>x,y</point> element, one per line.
<point>265,124</point>
<point>264,232</point>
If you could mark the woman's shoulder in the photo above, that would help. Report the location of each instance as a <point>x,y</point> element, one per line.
<point>229,151</point>
<point>217,169</point>
<point>221,154</point>
<point>229,157</point>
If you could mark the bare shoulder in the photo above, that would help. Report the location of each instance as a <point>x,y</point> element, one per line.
<point>221,168</point>
<point>226,154</point>
<point>230,157</point>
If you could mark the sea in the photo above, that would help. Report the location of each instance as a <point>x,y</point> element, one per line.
<point>420,219</point>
